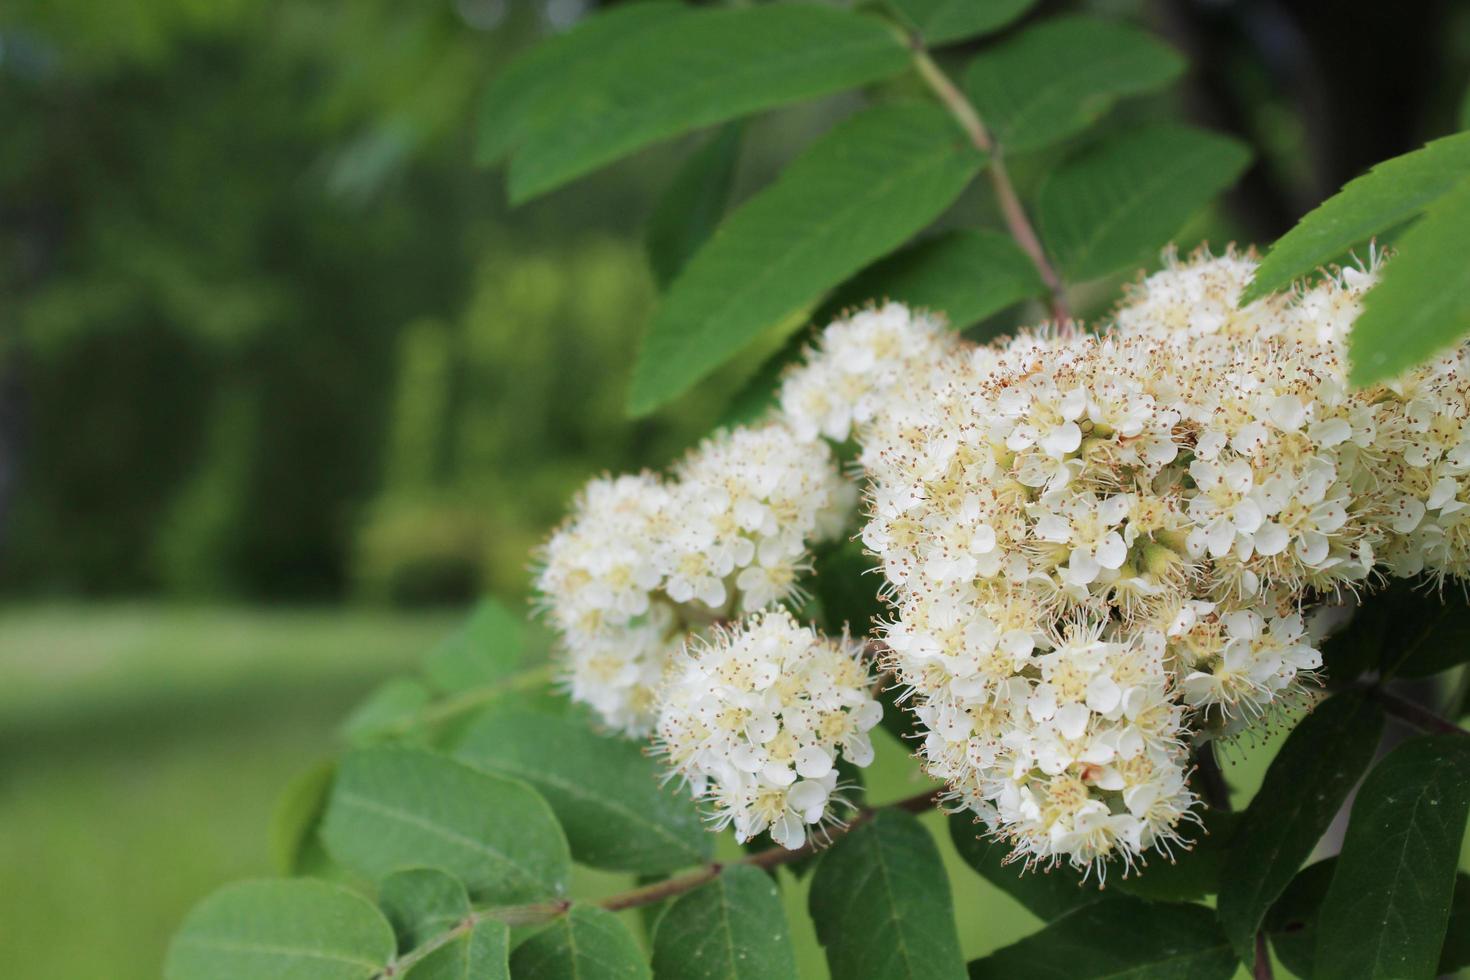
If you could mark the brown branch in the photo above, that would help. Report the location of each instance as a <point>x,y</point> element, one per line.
<point>1415,714</point>
<point>1262,968</point>
<point>658,891</point>
<point>1005,192</point>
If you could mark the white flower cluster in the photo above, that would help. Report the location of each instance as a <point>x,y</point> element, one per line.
<point>1099,547</point>
<point>755,719</point>
<point>643,561</point>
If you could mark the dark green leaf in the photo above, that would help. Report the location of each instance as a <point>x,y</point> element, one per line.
<point>1386,912</point>
<point>1421,304</point>
<point>733,928</point>
<point>483,954</point>
<point>390,711</point>
<point>1193,873</point>
<point>1456,952</point>
<point>964,274</point>
<point>1123,938</point>
<point>847,583</point>
<point>1308,780</point>
<point>297,814</point>
<point>295,929</point>
<point>699,68</point>
<point>1060,76</point>
<point>859,192</point>
<point>487,649</point>
<point>1423,632</point>
<point>1292,922</point>
<point>1388,195</point>
<point>1045,894</point>
<point>693,205</point>
<point>1465,110</point>
<point>540,81</point>
<point>420,903</point>
<point>942,21</point>
<point>1115,203</point>
<point>880,900</point>
<point>394,808</point>
<point>586,944</point>
<point>606,792</point>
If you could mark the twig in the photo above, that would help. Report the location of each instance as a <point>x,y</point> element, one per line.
<point>1415,714</point>
<point>1005,192</point>
<point>658,891</point>
<point>1262,969</point>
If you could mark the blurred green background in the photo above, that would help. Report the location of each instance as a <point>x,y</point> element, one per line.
<point>284,385</point>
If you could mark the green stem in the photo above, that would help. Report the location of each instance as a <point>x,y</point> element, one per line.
<point>1005,192</point>
<point>658,891</point>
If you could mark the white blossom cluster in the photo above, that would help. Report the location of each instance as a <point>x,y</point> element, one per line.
<point>755,718</point>
<point>642,561</point>
<point>1099,550</point>
<point>1100,547</point>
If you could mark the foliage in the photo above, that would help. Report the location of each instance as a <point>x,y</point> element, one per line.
<point>466,795</point>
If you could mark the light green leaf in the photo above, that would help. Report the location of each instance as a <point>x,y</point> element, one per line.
<point>699,68</point>
<point>1391,193</point>
<point>297,814</point>
<point>483,954</point>
<point>1062,75</point>
<point>965,274</point>
<point>540,81</point>
<point>389,711</point>
<point>1115,203</point>
<point>1422,302</point>
<point>1307,782</point>
<point>693,205</point>
<point>1386,912</point>
<point>859,192</point>
<point>881,903</point>
<point>606,792</point>
<point>1046,895</point>
<point>394,808</point>
<point>942,21</point>
<point>295,929</point>
<point>420,903</point>
<point>587,943</point>
<point>485,650</point>
<point>1122,938</point>
<point>733,928</point>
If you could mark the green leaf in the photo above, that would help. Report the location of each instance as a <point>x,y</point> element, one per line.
<point>389,711</point>
<point>483,954</point>
<point>606,792</point>
<point>541,80</point>
<point>964,274</point>
<point>733,928</point>
<point>587,944</point>
<point>485,650</point>
<point>942,21</point>
<point>394,808</point>
<point>1305,786</point>
<point>1423,633</point>
<point>1465,110</point>
<point>1123,938</point>
<point>1045,894</point>
<point>1421,304</point>
<point>1061,76</point>
<point>693,70</point>
<point>693,205</point>
<point>856,194</point>
<point>295,929</point>
<point>420,903</point>
<point>298,813</point>
<point>880,900</point>
<point>1391,193</point>
<point>1386,912</point>
<point>1193,873</point>
<point>1115,203</point>
<point>1292,922</point>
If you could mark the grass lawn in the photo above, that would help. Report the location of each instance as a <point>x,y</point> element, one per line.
<point>142,749</point>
